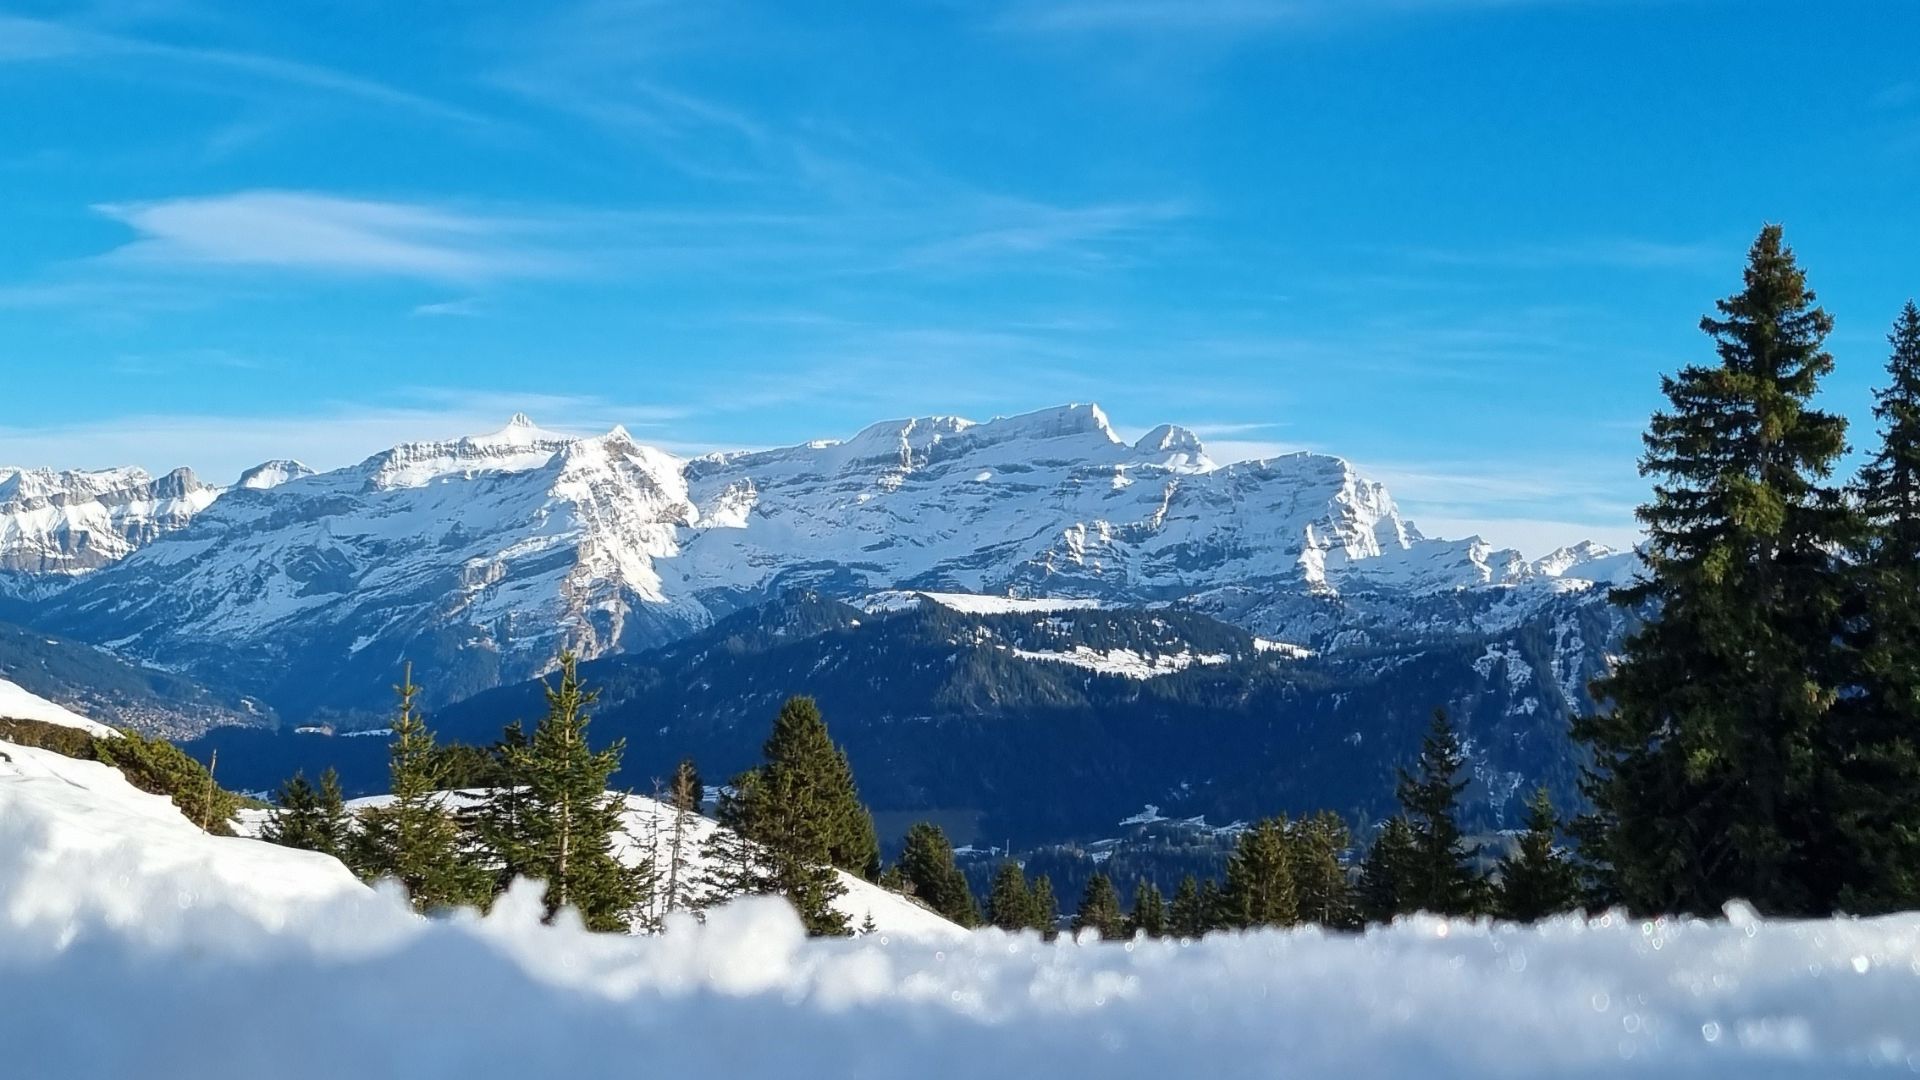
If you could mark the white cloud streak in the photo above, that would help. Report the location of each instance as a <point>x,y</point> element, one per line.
<point>318,232</point>
<point>24,40</point>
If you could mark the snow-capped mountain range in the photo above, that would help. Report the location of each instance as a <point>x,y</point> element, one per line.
<point>498,551</point>
<point>56,526</point>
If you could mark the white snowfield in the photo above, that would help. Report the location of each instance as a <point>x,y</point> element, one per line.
<point>131,945</point>
<point>17,704</point>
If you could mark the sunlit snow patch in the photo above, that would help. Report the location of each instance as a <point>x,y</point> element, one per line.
<point>1126,662</point>
<point>975,603</point>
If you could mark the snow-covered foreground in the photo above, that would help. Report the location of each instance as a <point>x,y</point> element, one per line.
<point>133,946</point>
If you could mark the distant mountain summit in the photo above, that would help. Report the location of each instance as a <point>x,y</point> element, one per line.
<point>481,558</point>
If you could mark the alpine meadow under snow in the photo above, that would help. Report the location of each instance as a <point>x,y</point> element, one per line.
<point>132,944</point>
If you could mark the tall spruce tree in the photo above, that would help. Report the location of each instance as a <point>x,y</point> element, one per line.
<point>926,862</point>
<point>798,813</point>
<point>567,818</point>
<point>413,838</point>
<point>1439,875</point>
<point>1713,772</point>
<point>1877,786</point>
<point>1260,888</point>
<point>1889,486</point>
<point>1537,880</point>
<point>1383,891</point>
<point>1010,903</point>
<point>1099,909</point>
<point>1149,914</point>
<point>1187,916</point>
<point>1324,895</point>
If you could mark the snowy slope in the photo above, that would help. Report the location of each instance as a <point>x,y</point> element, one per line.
<point>70,830</point>
<point>482,557</point>
<point>132,945</point>
<point>647,826</point>
<point>17,704</point>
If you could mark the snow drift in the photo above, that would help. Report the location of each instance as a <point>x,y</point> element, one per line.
<point>133,945</point>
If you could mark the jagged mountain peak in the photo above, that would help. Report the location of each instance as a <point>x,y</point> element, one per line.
<point>520,431</point>
<point>1174,447</point>
<point>271,474</point>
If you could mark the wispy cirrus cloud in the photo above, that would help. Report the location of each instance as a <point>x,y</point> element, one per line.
<point>293,230</point>
<point>26,40</point>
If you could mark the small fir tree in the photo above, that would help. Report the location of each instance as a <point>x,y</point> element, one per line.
<point>413,838</point>
<point>1010,904</point>
<point>296,808</point>
<point>568,819</point>
<point>1046,909</point>
<point>926,862</point>
<point>1320,879</point>
<point>1383,891</point>
<point>794,815</point>
<point>1149,915</point>
<point>1213,902</point>
<point>1099,909</point>
<point>1537,880</point>
<point>1187,916</point>
<point>1439,874</point>
<point>497,820</point>
<point>1260,884</point>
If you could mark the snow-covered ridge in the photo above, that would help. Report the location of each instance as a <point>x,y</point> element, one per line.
<point>128,940</point>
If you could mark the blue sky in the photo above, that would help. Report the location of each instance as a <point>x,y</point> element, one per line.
<point>1454,240</point>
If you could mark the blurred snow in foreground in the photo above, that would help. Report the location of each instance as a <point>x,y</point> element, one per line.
<point>133,946</point>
